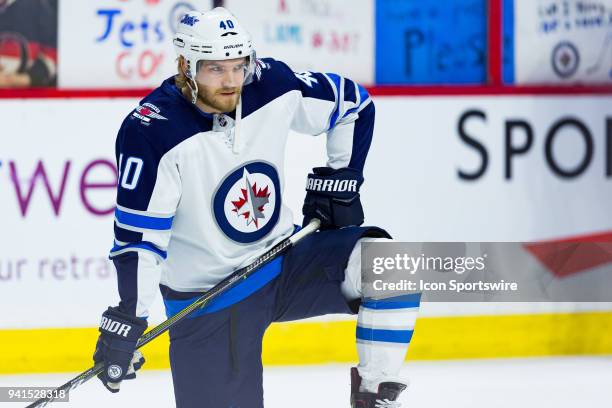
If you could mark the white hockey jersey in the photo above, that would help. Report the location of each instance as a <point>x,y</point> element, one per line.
<point>195,202</point>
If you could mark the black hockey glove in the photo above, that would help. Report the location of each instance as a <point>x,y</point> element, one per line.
<point>332,196</point>
<point>116,347</point>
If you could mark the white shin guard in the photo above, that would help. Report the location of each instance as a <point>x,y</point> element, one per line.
<point>384,327</point>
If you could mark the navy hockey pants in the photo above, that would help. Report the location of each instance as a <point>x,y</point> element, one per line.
<point>216,357</point>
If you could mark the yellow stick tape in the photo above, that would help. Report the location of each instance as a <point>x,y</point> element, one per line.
<point>63,350</point>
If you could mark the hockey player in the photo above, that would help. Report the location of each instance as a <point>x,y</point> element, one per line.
<point>200,194</point>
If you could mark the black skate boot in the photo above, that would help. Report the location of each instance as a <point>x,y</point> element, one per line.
<point>387,395</point>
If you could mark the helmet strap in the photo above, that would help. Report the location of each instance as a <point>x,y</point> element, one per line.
<point>194,88</point>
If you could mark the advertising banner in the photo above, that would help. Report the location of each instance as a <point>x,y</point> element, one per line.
<point>28,44</point>
<point>119,44</point>
<point>322,35</point>
<point>473,168</point>
<point>430,42</point>
<point>563,41</point>
<point>491,168</point>
<point>465,272</point>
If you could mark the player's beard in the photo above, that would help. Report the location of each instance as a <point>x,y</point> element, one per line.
<point>213,98</point>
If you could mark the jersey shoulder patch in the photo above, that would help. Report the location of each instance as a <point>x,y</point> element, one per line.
<point>164,120</point>
<point>146,112</point>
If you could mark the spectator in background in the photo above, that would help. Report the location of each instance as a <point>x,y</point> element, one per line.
<point>28,43</point>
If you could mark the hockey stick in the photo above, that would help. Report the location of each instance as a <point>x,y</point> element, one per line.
<point>200,302</point>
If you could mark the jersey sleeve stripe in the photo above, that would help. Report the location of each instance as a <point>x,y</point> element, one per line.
<point>122,228</point>
<point>337,84</point>
<point>143,221</point>
<point>363,94</point>
<point>147,246</point>
<point>364,99</point>
<point>348,112</point>
<point>147,213</point>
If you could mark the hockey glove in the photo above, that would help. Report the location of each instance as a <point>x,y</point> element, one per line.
<point>332,196</point>
<point>116,347</point>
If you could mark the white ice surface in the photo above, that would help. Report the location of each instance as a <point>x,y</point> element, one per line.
<point>509,383</point>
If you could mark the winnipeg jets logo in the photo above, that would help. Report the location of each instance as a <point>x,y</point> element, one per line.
<point>189,20</point>
<point>246,204</point>
<point>146,112</point>
<point>250,205</point>
<point>114,372</point>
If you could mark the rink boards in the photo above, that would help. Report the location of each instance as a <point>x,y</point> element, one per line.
<point>436,338</point>
<point>440,169</point>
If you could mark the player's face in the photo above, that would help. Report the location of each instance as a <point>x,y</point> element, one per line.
<point>220,84</point>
